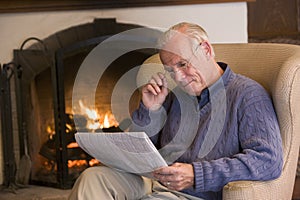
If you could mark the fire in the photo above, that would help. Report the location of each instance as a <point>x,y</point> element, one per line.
<point>94,120</point>
<point>78,163</point>
<point>94,162</point>
<point>106,123</point>
<point>97,121</point>
<point>72,145</point>
<point>50,131</point>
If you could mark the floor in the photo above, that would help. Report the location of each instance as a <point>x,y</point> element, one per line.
<point>34,193</point>
<point>47,193</point>
<point>296,194</point>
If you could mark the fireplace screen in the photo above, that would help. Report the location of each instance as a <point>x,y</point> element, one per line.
<point>46,112</point>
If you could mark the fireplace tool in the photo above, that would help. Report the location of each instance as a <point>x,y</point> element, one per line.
<point>6,72</point>
<point>14,178</point>
<point>24,170</point>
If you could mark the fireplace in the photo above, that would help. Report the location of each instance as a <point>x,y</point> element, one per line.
<point>46,119</point>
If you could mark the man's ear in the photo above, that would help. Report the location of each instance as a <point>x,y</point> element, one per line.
<point>207,49</point>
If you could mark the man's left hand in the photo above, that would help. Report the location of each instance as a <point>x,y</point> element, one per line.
<point>178,176</point>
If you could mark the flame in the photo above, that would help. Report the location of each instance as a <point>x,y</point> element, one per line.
<point>72,145</point>
<point>106,123</point>
<point>96,120</point>
<point>93,162</point>
<point>91,113</point>
<point>93,126</point>
<point>50,132</point>
<point>78,163</point>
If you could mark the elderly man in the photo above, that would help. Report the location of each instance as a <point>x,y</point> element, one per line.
<point>214,127</point>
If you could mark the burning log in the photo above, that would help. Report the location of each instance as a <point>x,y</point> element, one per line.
<point>48,149</point>
<point>74,123</point>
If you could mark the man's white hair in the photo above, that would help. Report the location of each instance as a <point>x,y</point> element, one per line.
<point>195,32</point>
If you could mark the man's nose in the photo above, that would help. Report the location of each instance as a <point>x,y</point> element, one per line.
<point>179,75</point>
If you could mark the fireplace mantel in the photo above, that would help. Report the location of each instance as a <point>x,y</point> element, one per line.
<point>15,6</point>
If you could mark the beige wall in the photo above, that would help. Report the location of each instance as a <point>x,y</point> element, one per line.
<point>225,23</point>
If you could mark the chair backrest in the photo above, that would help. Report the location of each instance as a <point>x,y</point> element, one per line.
<point>277,68</point>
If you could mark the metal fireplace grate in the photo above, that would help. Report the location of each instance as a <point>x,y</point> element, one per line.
<point>50,62</point>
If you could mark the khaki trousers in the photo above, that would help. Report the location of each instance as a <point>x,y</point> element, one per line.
<point>104,183</point>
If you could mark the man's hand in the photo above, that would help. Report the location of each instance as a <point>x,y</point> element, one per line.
<point>178,176</point>
<point>154,93</point>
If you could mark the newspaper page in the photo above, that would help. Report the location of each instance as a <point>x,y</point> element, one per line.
<point>127,151</point>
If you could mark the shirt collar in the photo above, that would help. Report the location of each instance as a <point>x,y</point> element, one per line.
<point>203,99</point>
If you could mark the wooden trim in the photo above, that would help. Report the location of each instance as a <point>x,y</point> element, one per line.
<point>298,19</point>
<point>14,6</point>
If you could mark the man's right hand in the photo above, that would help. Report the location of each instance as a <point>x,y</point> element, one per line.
<point>155,91</point>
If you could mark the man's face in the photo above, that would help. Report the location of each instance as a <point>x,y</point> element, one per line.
<point>185,64</point>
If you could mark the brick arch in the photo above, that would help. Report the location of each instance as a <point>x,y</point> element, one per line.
<point>63,39</point>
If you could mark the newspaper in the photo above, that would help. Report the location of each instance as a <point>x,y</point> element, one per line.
<point>127,151</point>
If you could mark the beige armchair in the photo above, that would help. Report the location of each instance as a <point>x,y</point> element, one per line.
<point>277,68</point>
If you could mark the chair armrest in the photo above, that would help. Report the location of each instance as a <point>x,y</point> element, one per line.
<point>257,190</point>
<point>244,190</point>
